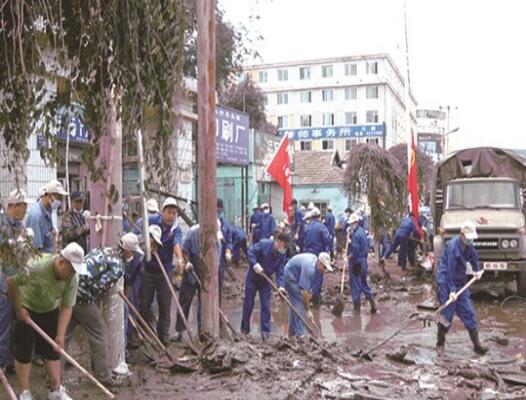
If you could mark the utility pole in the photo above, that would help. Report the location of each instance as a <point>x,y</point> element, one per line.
<point>206,162</point>
<point>111,221</point>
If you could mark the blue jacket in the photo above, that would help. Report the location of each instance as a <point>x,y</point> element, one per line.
<point>39,219</point>
<point>171,236</point>
<point>268,225</point>
<point>227,233</point>
<point>298,224</point>
<point>452,269</point>
<point>271,260</point>
<point>359,247</point>
<point>330,223</point>
<point>300,270</point>
<point>317,238</point>
<point>406,228</point>
<point>255,225</point>
<point>238,234</point>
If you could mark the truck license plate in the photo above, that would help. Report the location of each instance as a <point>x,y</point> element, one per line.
<point>496,266</point>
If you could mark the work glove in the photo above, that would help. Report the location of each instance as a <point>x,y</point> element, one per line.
<point>283,291</point>
<point>258,269</point>
<point>254,225</point>
<point>453,296</point>
<point>189,267</point>
<point>309,315</point>
<point>228,256</point>
<point>478,274</point>
<point>296,236</point>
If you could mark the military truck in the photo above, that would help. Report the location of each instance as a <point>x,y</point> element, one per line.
<point>488,187</point>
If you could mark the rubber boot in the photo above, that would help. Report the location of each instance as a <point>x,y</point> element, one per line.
<point>357,306</point>
<point>373,305</point>
<point>477,346</point>
<point>441,338</point>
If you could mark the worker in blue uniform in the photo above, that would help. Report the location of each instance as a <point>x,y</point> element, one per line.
<point>297,229</point>
<point>255,224</point>
<point>406,228</point>
<point>451,277</point>
<point>317,240</point>
<point>226,243</point>
<point>266,257</point>
<point>357,259</point>
<point>299,277</point>
<point>268,223</point>
<point>239,243</point>
<point>330,224</point>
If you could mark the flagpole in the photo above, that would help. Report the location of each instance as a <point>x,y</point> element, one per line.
<point>407,100</point>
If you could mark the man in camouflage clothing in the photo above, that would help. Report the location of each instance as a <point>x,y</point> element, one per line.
<point>105,267</point>
<point>74,228</point>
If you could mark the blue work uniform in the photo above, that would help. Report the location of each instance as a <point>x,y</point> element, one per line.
<point>451,277</point>
<point>9,229</point>
<point>268,225</point>
<point>330,224</point>
<point>255,226</point>
<point>132,280</point>
<point>407,227</point>
<point>189,284</point>
<point>40,221</point>
<point>272,262</point>
<point>226,244</point>
<point>298,227</point>
<point>357,253</point>
<point>152,278</point>
<point>239,243</point>
<point>317,240</point>
<point>299,276</point>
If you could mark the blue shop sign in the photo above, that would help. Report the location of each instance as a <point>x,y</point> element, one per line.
<point>335,132</point>
<point>232,129</point>
<point>78,133</point>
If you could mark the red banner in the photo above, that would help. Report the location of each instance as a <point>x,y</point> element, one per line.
<point>279,169</point>
<point>412,180</point>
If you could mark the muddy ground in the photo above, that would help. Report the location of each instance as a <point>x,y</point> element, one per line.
<point>407,367</point>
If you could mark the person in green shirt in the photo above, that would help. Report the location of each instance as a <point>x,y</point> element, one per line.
<point>45,291</point>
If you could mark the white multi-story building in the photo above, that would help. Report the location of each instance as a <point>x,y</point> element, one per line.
<point>331,104</point>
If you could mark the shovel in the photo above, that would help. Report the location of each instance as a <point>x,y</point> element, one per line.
<point>7,386</point>
<point>339,303</point>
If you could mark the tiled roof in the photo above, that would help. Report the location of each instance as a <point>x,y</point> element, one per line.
<point>315,168</point>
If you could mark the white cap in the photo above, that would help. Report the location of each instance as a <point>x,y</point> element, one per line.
<point>130,242</point>
<point>325,259</point>
<point>41,191</point>
<point>169,202</point>
<point>55,187</point>
<point>75,255</point>
<point>16,196</point>
<point>329,208</point>
<point>152,206</point>
<point>307,215</point>
<point>353,218</point>
<point>469,230</point>
<point>315,212</point>
<point>264,205</point>
<point>310,206</point>
<point>156,233</point>
<point>255,206</point>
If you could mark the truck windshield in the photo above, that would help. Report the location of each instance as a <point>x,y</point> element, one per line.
<point>470,195</point>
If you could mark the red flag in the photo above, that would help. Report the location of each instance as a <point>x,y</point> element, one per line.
<point>412,180</point>
<point>279,169</point>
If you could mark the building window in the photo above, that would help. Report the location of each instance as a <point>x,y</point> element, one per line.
<point>306,96</point>
<point>371,117</point>
<point>283,74</point>
<point>263,76</point>
<point>351,118</point>
<point>372,67</point>
<point>283,98</point>
<point>373,141</point>
<point>350,69</point>
<point>305,120</point>
<point>328,119</point>
<point>349,143</point>
<point>327,144</point>
<point>372,92</point>
<point>304,73</point>
<point>305,145</point>
<point>326,71</point>
<point>283,122</point>
<point>351,93</point>
<point>327,94</point>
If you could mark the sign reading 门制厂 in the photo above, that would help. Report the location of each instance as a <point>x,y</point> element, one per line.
<point>335,132</point>
<point>232,129</point>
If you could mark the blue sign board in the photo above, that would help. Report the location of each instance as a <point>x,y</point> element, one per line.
<point>78,133</point>
<point>232,129</point>
<point>335,132</point>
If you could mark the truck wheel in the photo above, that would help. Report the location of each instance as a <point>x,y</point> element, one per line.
<point>521,284</point>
